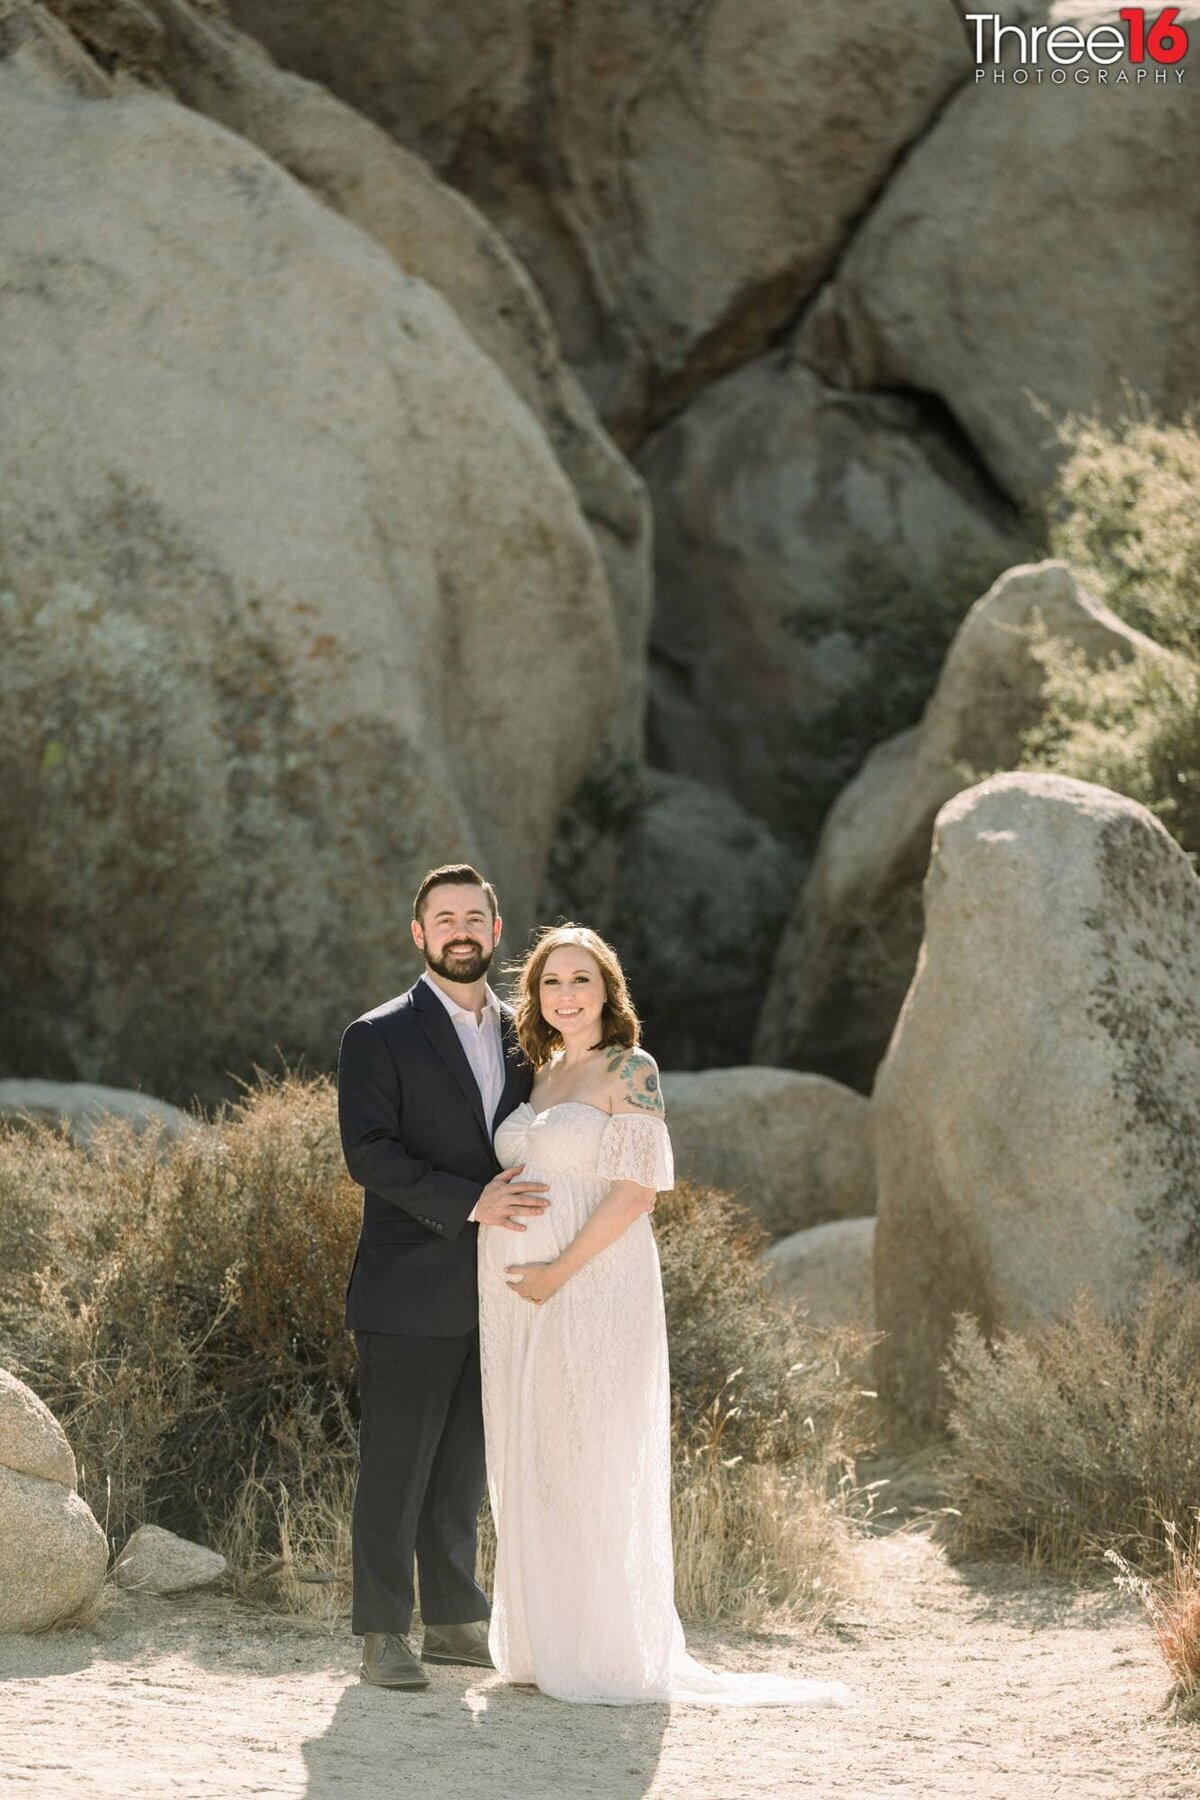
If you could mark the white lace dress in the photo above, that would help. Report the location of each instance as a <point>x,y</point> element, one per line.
<point>576,1408</point>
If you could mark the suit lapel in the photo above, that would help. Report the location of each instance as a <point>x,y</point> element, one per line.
<point>438,1027</point>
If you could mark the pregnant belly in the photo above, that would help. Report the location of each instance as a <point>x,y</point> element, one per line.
<point>537,1243</point>
<point>544,1236</point>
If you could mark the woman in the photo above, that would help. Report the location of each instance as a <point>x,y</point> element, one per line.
<point>576,1400</point>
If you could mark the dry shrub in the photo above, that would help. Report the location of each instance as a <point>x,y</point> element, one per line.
<point>746,1370</point>
<point>768,1419</point>
<point>1080,1436</point>
<point>178,1305</point>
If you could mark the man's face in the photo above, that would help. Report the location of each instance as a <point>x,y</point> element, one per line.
<point>456,933</point>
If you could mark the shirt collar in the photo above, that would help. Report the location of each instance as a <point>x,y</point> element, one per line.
<point>490,1005</point>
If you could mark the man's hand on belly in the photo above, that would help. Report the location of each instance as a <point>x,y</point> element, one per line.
<point>505,1201</point>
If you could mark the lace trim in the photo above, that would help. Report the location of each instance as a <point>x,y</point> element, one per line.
<point>637,1148</point>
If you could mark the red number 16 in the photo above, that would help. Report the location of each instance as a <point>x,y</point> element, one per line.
<point>1167,42</point>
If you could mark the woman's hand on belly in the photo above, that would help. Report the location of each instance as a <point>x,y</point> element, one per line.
<point>535,1282</point>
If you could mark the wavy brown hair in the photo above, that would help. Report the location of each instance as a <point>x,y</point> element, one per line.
<point>619,1023</point>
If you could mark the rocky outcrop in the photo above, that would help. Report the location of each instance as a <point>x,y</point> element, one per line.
<point>703,892</point>
<point>435,233</point>
<point>155,1561</point>
<point>1037,1116</point>
<point>53,1553</point>
<point>259,492</point>
<point>82,1108</point>
<point>848,953</point>
<point>793,1149</point>
<point>827,1271</point>
<point>810,547</point>
<point>1017,254</point>
<point>677,178</point>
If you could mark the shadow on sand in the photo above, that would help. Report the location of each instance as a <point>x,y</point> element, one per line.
<point>450,1740</point>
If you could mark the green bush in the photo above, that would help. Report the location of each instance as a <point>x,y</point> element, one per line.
<point>1126,515</point>
<point>1080,1436</point>
<point>1133,727</point>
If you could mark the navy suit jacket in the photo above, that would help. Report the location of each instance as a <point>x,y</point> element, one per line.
<point>414,1135</point>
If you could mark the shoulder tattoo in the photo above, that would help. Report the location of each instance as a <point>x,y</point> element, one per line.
<point>638,1075</point>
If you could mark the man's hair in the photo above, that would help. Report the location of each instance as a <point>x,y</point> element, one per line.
<point>456,875</point>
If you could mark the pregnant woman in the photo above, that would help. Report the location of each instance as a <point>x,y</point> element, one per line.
<point>576,1398</point>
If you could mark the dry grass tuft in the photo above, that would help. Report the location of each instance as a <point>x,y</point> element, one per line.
<point>1172,1603</point>
<point>755,1544</point>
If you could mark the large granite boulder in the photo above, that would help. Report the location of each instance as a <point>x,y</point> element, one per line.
<point>793,1149</point>
<point>828,1272</point>
<point>703,893</point>
<point>434,232</point>
<point>1037,1116</point>
<point>53,1554</point>
<point>814,551</point>
<point>847,955</point>
<point>32,1442</point>
<point>82,1108</point>
<point>260,494</point>
<point>676,177</point>
<point>1019,254</point>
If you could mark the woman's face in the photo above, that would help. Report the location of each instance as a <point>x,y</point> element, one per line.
<point>572,994</point>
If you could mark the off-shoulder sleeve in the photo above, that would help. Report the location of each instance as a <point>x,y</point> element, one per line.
<point>637,1147</point>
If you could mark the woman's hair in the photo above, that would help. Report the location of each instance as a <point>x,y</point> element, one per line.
<point>618,1022</point>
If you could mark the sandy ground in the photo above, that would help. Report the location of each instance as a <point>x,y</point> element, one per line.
<point>972,1683</point>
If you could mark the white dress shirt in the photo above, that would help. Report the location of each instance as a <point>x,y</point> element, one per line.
<point>481,1040</point>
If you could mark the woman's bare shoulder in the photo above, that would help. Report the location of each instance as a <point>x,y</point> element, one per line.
<point>631,1081</point>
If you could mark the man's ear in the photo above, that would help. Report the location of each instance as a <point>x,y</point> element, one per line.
<point>418,934</point>
<point>497,927</point>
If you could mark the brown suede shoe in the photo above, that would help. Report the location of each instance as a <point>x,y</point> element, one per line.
<point>458,1644</point>
<point>388,1662</point>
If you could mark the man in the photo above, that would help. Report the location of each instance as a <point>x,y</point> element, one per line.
<point>421,1082</point>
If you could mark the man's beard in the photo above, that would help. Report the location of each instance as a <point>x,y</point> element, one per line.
<point>460,968</point>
